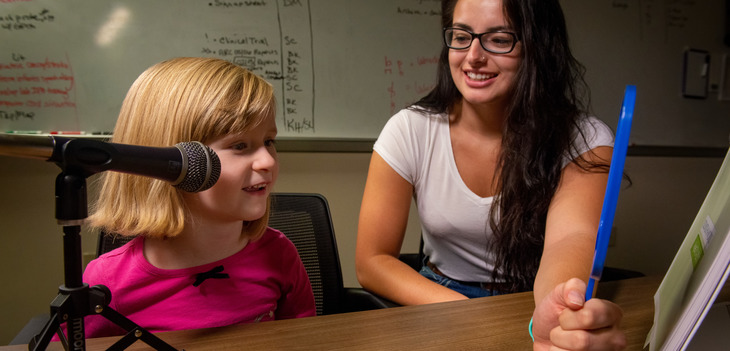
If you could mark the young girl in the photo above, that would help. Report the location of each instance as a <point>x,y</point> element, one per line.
<point>508,173</point>
<point>159,280</point>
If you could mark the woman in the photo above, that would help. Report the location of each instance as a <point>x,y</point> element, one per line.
<point>506,170</point>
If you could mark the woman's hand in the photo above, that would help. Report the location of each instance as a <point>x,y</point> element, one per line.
<point>565,321</point>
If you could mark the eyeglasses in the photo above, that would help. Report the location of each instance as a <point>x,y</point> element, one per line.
<point>494,42</point>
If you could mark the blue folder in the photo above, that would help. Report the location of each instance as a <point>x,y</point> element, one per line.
<point>615,175</point>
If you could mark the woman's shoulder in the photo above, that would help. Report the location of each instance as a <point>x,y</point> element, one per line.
<point>590,133</point>
<point>412,123</point>
<point>593,122</point>
<point>419,115</point>
<point>594,131</point>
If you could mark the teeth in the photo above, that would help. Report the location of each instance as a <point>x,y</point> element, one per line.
<point>255,187</point>
<point>478,76</point>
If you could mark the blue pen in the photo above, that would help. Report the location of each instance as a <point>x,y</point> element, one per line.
<point>615,175</point>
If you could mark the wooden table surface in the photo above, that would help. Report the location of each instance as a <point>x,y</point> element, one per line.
<point>491,323</point>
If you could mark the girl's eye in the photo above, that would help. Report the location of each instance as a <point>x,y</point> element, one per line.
<point>239,146</point>
<point>270,142</point>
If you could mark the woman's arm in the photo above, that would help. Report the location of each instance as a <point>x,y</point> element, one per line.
<point>381,229</point>
<point>562,317</point>
<point>572,224</point>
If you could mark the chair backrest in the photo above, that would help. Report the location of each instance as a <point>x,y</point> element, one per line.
<point>305,219</point>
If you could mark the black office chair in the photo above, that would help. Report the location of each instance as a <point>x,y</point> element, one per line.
<point>414,260</point>
<point>305,219</point>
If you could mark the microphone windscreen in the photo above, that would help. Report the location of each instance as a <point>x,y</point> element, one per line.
<point>201,167</point>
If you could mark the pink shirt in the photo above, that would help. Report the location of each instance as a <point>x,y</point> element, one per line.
<point>266,281</point>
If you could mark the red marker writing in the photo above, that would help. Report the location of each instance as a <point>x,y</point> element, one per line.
<point>71,132</point>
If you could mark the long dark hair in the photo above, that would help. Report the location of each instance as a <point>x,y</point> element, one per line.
<point>549,97</point>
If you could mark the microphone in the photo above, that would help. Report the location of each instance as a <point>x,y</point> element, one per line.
<point>189,166</point>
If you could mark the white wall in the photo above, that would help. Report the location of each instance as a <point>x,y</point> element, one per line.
<point>653,218</point>
<point>655,213</point>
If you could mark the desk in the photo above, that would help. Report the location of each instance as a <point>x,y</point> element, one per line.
<point>490,323</point>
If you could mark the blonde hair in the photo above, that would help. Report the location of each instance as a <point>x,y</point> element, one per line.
<point>182,99</point>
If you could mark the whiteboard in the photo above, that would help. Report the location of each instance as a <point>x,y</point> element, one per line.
<point>341,68</point>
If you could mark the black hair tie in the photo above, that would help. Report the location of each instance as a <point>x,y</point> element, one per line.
<point>214,273</point>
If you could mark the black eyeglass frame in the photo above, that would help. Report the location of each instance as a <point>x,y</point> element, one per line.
<point>478,36</point>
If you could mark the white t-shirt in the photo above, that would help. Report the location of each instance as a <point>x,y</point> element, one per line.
<point>454,220</point>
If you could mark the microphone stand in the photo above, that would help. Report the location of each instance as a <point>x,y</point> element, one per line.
<point>76,299</point>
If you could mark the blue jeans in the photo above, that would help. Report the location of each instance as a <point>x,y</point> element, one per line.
<point>466,290</point>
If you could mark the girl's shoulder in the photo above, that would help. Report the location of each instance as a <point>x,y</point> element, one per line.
<point>273,243</point>
<point>118,244</point>
<point>125,257</point>
<point>125,251</point>
<point>275,239</point>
